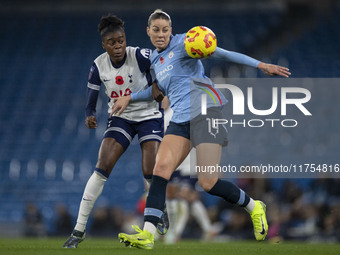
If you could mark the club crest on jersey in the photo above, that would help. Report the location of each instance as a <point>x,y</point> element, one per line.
<point>130,78</point>
<point>161,59</point>
<point>171,54</point>
<point>119,80</point>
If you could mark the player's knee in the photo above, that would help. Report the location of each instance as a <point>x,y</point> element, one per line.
<point>162,170</point>
<point>207,183</point>
<point>104,166</point>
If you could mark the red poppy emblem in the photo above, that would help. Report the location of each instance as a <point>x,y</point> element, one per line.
<point>162,60</point>
<point>119,80</point>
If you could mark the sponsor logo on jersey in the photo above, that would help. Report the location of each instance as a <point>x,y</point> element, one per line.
<point>166,69</point>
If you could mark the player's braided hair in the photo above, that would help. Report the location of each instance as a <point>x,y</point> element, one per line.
<point>109,24</point>
<point>159,14</point>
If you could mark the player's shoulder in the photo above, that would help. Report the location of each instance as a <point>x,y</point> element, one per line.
<point>131,50</point>
<point>178,38</point>
<point>142,52</point>
<point>101,58</point>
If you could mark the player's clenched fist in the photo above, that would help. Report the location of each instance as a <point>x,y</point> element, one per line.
<point>91,122</point>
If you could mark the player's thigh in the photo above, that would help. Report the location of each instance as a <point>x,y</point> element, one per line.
<point>150,133</point>
<point>171,153</point>
<point>117,138</point>
<point>208,154</point>
<point>109,153</point>
<point>149,152</point>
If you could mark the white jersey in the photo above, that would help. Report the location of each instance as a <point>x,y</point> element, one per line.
<point>132,75</point>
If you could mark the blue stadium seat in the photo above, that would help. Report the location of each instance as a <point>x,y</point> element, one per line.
<point>43,96</point>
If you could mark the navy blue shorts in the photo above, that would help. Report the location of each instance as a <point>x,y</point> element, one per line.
<point>200,129</point>
<point>180,129</point>
<point>123,131</point>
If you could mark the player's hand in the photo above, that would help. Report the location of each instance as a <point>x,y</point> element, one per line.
<point>157,94</point>
<point>273,70</point>
<point>91,122</point>
<point>120,104</point>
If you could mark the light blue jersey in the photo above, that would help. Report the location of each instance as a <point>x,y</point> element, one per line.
<point>175,71</point>
<point>182,79</point>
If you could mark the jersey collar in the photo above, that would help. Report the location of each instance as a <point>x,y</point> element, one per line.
<point>120,65</point>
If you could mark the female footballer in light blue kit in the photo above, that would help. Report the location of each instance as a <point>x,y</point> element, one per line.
<point>178,77</point>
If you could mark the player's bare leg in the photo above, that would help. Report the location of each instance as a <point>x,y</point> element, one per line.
<point>171,153</point>
<point>207,154</point>
<point>149,152</point>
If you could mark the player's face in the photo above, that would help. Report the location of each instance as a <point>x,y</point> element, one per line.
<point>159,33</point>
<point>115,45</point>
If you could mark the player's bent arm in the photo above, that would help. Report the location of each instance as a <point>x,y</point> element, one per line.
<point>142,95</point>
<point>91,122</point>
<point>92,97</point>
<point>120,105</point>
<point>150,93</point>
<point>90,110</point>
<point>157,94</point>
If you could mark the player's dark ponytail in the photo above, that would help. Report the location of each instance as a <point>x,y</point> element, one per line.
<point>109,24</point>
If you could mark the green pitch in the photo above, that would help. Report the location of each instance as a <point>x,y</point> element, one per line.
<point>94,246</point>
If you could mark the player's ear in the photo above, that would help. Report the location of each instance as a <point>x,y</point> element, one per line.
<point>148,30</point>
<point>103,45</point>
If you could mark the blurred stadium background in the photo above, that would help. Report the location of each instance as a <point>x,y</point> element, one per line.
<point>47,153</point>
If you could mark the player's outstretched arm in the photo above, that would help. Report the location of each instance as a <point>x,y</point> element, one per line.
<point>120,105</point>
<point>242,59</point>
<point>273,70</point>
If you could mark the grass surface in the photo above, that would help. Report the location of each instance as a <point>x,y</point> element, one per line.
<point>94,246</point>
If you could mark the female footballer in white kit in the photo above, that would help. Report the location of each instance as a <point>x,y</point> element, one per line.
<point>122,70</point>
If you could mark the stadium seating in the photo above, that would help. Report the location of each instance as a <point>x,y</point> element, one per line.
<point>47,153</point>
